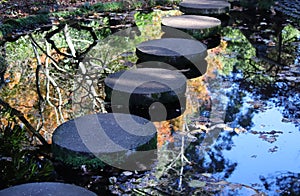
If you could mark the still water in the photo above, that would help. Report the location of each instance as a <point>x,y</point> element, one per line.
<point>243,113</point>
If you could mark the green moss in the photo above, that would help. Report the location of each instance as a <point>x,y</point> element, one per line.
<point>202,33</point>
<point>11,26</point>
<point>76,159</point>
<point>167,2</point>
<point>108,6</point>
<point>150,145</point>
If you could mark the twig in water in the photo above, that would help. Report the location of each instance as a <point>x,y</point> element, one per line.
<point>19,114</point>
<point>37,82</point>
<point>49,79</point>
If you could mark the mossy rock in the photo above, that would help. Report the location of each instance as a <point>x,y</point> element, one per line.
<point>119,140</point>
<point>155,94</point>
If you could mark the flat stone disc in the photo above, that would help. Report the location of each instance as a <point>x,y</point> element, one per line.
<point>46,188</point>
<point>200,27</point>
<point>191,22</point>
<point>188,72</point>
<point>171,47</point>
<point>204,7</point>
<point>97,139</point>
<point>146,81</point>
<point>169,32</point>
<point>180,53</point>
<point>151,93</point>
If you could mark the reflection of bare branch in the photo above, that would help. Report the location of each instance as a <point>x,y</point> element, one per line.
<point>37,82</point>
<point>181,157</point>
<point>15,112</point>
<point>73,24</point>
<point>49,79</point>
<point>97,101</point>
<point>89,80</point>
<point>69,41</point>
<point>55,63</point>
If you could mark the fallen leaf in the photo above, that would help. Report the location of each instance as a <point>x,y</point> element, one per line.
<point>197,183</point>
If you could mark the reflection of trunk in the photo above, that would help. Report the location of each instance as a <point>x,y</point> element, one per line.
<point>279,46</point>
<point>3,64</point>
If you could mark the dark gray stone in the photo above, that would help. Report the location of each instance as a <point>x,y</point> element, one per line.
<point>182,54</point>
<point>191,22</point>
<point>155,94</point>
<point>46,188</point>
<point>169,32</point>
<point>189,72</point>
<point>172,47</point>
<point>105,139</point>
<point>199,27</point>
<point>204,7</point>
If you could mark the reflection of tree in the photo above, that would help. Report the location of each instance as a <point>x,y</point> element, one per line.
<point>234,104</point>
<point>208,157</point>
<point>266,77</point>
<point>284,183</point>
<point>42,68</point>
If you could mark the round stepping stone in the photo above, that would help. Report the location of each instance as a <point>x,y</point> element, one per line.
<point>46,188</point>
<point>120,140</point>
<point>200,27</point>
<point>182,54</point>
<point>170,32</point>
<point>204,7</point>
<point>189,73</point>
<point>155,94</point>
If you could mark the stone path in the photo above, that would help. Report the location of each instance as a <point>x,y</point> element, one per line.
<point>156,93</point>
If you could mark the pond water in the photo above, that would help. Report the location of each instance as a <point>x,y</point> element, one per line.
<point>243,114</point>
<point>265,153</point>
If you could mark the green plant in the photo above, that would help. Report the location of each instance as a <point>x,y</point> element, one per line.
<point>290,34</point>
<point>167,2</point>
<point>142,19</point>
<point>9,26</point>
<point>265,4</point>
<point>100,27</point>
<point>108,6</point>
<point>20,162</point>
<point>261,4</point>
